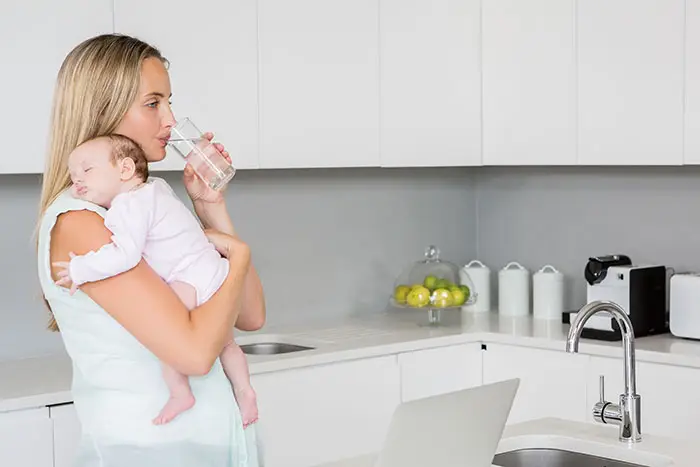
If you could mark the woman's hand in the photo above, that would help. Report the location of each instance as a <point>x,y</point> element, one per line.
<point>197,189</point>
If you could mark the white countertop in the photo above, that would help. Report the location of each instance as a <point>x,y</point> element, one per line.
<point>36,382</point>
<point>588,438</point>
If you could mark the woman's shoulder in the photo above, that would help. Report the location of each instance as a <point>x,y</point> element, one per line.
<point>65,203</point>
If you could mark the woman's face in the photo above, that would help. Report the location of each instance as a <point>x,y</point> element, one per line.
<point>149,119</point>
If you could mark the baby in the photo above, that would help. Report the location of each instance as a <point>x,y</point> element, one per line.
<point>148,220</point>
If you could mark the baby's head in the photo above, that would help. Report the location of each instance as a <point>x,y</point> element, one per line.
<point>103,167</point>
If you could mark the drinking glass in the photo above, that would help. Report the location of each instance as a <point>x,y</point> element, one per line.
<point>207,161</point>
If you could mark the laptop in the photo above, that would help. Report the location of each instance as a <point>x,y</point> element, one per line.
<point>456,429</point>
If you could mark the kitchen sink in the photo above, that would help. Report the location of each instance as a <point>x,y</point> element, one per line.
<point>546,457</point>
<point>272,348</point>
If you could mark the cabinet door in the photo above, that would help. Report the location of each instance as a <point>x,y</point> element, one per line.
<point>661,387</point>
<point>552,383</point>
<point>26,438</point>
<point>529,82</point>
<point>436,371</point>
<point>212,49</point>
<point>319,104</point>
<point>66,434</point>
<point>320,414</point>
<point>430,83</point>
<point>36,36</point>
<point>630,82</point>
<point>691,153</point>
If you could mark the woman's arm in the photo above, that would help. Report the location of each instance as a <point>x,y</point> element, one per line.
<point>214,215</point>
<point>147,307</point>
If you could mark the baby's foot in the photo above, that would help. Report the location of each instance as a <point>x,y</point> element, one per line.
<point>247,403</point>
<point>174,407</point>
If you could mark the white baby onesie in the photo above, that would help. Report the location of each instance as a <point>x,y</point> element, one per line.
<point>151,222</point>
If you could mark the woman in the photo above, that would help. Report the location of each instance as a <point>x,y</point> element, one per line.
<point>116,330</point>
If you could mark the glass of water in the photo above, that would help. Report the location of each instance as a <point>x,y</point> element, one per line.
<point>209,163</point>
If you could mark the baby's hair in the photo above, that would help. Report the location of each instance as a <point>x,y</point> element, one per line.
<point>123,147</point>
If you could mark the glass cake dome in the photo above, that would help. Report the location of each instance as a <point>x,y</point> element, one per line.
<point>433,284</point>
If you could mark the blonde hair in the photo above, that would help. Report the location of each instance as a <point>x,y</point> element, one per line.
<point>96,85</point>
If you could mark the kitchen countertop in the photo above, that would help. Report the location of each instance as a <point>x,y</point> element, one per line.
<point>588,438</point>
<point>40,381</point>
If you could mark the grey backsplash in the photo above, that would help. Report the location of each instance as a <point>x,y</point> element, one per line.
<point>331,242</point>
<point>561,216</point>
<point>326,242</point>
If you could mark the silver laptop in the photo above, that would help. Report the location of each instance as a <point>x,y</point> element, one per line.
<point>457,429</point>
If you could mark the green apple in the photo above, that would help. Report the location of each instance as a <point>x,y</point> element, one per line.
<point>429,282</point>
<point>418,297</point>
<point>467,292</point>
<point>442,284</point>
<point>401,292</point>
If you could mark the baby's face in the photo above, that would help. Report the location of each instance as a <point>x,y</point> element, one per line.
<point>95,177</point>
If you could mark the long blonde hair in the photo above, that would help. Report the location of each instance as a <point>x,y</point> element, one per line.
<point>96,84</point>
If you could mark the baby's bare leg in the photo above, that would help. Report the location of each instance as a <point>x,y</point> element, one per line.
<point>181,397</point>
<point>236,368</point>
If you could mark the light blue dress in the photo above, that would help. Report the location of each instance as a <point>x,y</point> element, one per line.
<point>118,387</point>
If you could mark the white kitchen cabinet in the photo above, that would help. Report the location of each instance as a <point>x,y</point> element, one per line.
<point>552,382</point>
<point>26,438</point>
<point>66,434</point>
<point>36,36</point>
<point>430,372</point>
<point>430,82</point>
<point>691,154</point>
<point>212,50</point>
<point>320,414</point>
<point>630,82</point>
<point>670,395</point>
<point>529,93</point>
<point>319,103</point>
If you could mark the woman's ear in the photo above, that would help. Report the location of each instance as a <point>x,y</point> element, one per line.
<point>127,168</point>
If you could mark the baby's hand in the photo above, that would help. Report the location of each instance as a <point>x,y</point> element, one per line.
<point>63,273</point>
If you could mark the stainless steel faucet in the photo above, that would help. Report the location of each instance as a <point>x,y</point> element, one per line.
<point>626,414</point>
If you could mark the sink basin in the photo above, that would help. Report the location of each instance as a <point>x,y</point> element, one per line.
<point>536,457</point>
<point>272,348</point>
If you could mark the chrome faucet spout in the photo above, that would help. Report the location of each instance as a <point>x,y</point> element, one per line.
<point>628,413</point>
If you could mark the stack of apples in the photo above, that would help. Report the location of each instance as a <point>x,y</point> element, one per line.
<point>434,292</point>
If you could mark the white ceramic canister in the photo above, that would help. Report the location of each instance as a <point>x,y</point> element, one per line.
<point>548,293</point>
<point>480,276</point>
<point>513,290</point>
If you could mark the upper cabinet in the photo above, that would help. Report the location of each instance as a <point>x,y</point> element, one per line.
<point>319,99</point>
<point>430,82</point>
<point>692,82</point>
<point>36,36</point>
<point>630,82</point>
<point>388,83</point>
<point>529,73</point>
<point>213,67</point>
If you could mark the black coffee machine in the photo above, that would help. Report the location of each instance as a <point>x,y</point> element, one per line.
<point>639,290</point>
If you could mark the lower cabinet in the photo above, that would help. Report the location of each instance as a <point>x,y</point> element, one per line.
<point>552,383</point>
<point>319,414</point>
<point>66,434</point>
<point>323,413</point>
<point>670,395</point>
<point>26,438</point>
<point>439,370</point>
